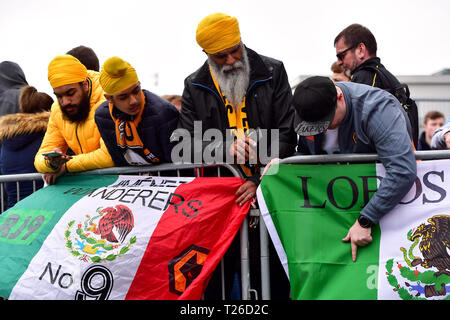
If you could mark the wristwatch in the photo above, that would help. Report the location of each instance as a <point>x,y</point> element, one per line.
<point>365,222</point>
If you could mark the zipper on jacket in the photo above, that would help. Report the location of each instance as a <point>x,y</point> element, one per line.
<point>76,135</point>
<point>254,83</point>
<point>205,87</point>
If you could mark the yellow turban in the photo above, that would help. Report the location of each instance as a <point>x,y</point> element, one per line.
<point>117,75</point>
<point>66,69</point>
<point>218,32</point>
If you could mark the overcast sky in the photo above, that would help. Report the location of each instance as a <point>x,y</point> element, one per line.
<point>158,37</point>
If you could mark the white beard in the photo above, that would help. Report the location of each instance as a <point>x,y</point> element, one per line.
<point>233,80</point>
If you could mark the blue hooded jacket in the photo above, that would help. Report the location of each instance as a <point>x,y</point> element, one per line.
<point>374,122</point>
<point>159,120</point>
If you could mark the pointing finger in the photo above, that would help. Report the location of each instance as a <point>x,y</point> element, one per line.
<point>354,250</point>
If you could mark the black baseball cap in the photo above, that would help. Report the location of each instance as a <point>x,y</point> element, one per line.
<point>314,101</point>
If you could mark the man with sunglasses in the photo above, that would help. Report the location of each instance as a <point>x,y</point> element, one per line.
<point>356,50</point>
<point>237,90</point>
<point>134,123</point>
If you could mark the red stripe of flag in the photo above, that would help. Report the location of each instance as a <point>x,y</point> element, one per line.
<point>187,245</point>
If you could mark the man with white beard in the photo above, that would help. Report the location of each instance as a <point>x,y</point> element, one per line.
<point>235,91</point>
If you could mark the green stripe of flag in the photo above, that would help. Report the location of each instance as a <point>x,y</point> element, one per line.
<point>312,207</point>
<point>23,231</point>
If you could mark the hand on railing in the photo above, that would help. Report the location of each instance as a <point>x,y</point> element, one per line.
<point>50,178</point>
<point>246,192</point>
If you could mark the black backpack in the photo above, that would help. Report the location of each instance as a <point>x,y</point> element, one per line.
<point>401,92</point>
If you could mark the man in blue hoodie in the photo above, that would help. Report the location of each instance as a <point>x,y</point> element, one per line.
<point>346,117</point>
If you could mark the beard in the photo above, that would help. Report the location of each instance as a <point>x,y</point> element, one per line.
<point>234,79</point>
<point>82,110</point>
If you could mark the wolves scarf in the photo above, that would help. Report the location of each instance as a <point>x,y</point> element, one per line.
<point>127,135</point>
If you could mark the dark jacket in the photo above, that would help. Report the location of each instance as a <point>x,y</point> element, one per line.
<point>423,145</point>
<point>363,74</point>
<point>159,119</point>
<point>268,104</point>
<point>21,135</point>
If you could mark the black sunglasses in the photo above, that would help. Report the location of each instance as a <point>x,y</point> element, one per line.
<point>341,54</point>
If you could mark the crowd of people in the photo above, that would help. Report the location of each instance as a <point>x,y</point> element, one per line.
<point>103,118</point>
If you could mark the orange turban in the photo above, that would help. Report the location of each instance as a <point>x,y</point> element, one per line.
<point>117,75</point>
<point>66,69</point>
<point>218,32</point>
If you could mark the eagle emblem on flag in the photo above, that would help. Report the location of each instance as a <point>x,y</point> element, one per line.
<point>427,276</point>
<point>101,237</point>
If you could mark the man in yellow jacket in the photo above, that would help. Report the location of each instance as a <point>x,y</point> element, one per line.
<point>71,124</point>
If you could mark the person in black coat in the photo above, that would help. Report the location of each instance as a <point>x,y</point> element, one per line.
<point>21,135</point>
<point>135,124</point>
<point>237,90</point>
<point>356,51</point>
<point>239,93</point>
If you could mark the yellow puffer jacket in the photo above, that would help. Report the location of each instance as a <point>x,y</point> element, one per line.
<point>83,138</point>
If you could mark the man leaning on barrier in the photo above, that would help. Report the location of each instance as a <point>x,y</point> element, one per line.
<point>347,117</point>
<point>71,124</point>
<point>135,124</point>
<point>234,91</point>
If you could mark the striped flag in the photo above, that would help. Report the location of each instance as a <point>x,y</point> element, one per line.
<point>118,237</point>
<point>308,210</point>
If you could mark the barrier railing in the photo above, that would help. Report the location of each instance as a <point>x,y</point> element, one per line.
<point>246,289</point>
<point>360,157</point>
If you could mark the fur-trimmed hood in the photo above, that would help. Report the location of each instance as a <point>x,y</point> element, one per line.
<point>16,124</point>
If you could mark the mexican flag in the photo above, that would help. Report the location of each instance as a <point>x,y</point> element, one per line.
<point>308,210</point>
<point>118,237</point>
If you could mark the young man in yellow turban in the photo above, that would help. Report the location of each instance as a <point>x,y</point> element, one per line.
<point>237,90</point>
<point>134,123</point>
<point>71,124</point>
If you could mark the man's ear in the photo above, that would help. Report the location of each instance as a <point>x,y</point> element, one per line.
<point>361,51</point>
<point>108,97</point>
<point>85,86</point>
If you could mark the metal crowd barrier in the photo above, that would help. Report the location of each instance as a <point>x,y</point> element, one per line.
<point>246,290</point>
<point>360,157</point>
<point>159,171</point>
